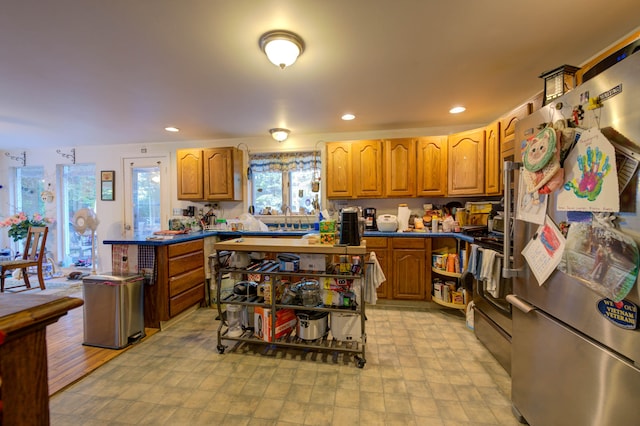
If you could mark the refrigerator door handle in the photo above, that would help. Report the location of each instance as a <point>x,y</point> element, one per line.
<point>516,302</point>
<point>507,272</point>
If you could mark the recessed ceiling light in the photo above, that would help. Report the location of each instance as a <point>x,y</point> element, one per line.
<point>457,110</point>
<point>348,117</point>
<point>172,129</point>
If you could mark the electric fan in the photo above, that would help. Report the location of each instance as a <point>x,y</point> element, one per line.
<point>83,220</point>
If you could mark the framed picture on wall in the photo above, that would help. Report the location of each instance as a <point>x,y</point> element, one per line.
<point>107,185</point>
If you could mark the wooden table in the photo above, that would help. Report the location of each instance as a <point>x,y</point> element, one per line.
<point>23,354</point>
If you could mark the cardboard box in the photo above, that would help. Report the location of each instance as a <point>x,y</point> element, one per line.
<point>285,322</point>
<point>327,238</point>
<point>313,262</point>
<point>346,327</point>
<point>437,290</point>
<point>328,226</point>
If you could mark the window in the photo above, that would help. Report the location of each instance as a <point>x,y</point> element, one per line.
<point>78,183</point>
<point>146,199</point>
<point>29,186</point>
<point>281,180</point>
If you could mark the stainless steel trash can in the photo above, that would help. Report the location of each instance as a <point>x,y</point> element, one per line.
<point>113,310</point>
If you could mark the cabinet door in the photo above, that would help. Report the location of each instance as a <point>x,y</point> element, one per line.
<point>190,185</point>
<point>492,160</point>
<point>222,174</point>
<point>408,274</point>
<point>378,245</point>
<point>432,166</point>
<point>408,258</point>
<point>339,179</point>
<point>508,134</point>
<point>466,163</point>
<point>367,169</point>
<point>400,167</point>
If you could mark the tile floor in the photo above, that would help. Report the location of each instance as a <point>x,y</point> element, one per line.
<point>424,367</point>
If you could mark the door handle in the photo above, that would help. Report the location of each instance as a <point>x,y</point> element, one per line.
<point>516,302</point>
<point>127,227</point>
<point>509,220</point>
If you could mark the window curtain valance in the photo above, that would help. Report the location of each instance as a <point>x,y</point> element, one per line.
<point>284,162</point>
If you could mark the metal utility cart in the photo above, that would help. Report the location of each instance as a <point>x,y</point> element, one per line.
<point>322,263</point>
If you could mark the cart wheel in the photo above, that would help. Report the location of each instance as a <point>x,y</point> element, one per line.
<point>220,349</point>
<point>360,362</point>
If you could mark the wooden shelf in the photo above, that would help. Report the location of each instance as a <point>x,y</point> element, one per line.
<point>449,305</point>
<point>446,273</point>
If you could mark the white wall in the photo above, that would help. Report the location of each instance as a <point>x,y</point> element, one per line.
<point>109,157</point>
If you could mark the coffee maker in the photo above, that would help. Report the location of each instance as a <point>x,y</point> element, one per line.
<point>370,219</point>
<point>350,226</point>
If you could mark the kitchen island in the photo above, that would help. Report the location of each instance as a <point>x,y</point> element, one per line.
<point>177,269</point>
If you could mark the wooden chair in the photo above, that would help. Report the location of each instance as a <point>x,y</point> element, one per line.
<point>33,255</point>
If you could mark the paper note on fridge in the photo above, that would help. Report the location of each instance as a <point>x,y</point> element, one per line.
<point>591,178</point>
<point>544,252</point>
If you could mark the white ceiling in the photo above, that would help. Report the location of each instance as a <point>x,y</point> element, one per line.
<point>78,72</point>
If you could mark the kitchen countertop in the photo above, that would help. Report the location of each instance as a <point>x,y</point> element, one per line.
<point>143,241</point>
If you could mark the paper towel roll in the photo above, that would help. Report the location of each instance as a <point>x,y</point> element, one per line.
<point>403,217</point>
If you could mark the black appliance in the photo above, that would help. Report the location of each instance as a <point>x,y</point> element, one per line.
<point>492,312</point>
<point>350,227</point>
<point>370,219</point>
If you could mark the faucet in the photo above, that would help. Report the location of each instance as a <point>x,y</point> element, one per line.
<point>285,209</point>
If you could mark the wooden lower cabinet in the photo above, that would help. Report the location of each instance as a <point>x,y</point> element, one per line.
<point>379,246</point>
<point>406,263</point>
<point>411,276</point>
<point>180,282</point>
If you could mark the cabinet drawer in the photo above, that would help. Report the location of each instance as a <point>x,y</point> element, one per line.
<point>376,242</point>
<point>184,300</point>
<point>408,243</point>
<point>187,262</point>
<point>182,282</point>
<point>186,247</point>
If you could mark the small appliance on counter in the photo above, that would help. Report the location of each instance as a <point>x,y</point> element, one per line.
<point>350,227</point>
<point>387,223</point>
<point>370,219</point>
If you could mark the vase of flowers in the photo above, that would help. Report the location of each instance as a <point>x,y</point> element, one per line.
<point>19,224</point>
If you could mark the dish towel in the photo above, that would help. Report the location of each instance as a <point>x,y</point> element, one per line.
<point>491,272</point>
<point>376,279</point>
<point>475,259</point>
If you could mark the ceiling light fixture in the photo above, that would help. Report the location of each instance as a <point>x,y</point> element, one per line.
<point>281,47</point>
<point>457,110</point>
<point>348,117</point>
<point>172,129</point>
<point>279,134</point>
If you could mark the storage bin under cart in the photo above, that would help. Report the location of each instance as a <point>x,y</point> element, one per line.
<point>272,295</point>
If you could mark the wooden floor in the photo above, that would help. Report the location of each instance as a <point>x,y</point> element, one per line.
<point>69,359</point>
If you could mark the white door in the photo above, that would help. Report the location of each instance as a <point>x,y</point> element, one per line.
<point>146,195</point>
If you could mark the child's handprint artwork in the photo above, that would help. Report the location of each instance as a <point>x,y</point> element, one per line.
<point>591,176</point>
<point>594,166</point>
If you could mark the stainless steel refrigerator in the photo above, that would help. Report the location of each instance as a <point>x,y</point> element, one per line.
<point>571,364</point>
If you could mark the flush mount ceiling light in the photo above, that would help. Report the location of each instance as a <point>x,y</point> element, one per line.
<point>457,110</point>
<point>279,134</point>
<point>281,47</point>
<point>348,117</point>
<point>172,129</point>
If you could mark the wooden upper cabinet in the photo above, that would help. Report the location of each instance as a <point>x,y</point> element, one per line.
<point>493,161</point>
<point>508,135</point>
<point>339,170</point>
<point>222,174</point>
<point>209,174</point>
<point>508,128</point>
<point>466,156</point>
<point>431,166</point>
<point>190,169</point>
<point>367,169</point>
<point>400,167</point>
